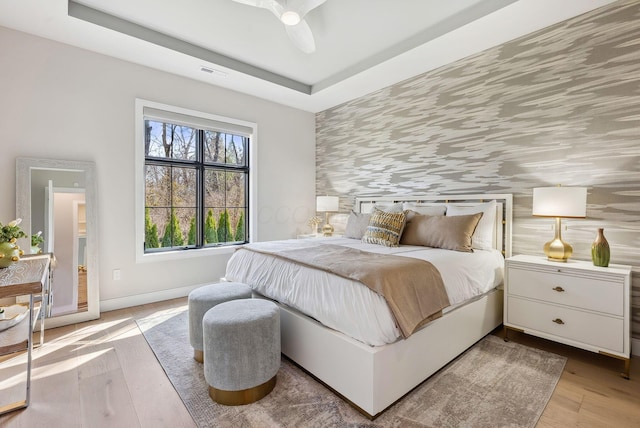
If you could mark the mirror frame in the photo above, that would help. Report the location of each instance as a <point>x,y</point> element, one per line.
<point>23,210</point>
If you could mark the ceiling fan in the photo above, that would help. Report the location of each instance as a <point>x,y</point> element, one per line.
<point>291,13</point>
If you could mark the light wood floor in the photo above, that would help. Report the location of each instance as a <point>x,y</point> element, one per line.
<point>103,374</point>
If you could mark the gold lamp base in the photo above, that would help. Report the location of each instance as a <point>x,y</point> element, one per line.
<point>327,229</point>
<point>557,250</point>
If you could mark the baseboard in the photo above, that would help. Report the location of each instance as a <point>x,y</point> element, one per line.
<point>635,347</point>
<point>143,299</point>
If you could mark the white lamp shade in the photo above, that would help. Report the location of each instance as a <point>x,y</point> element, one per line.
<point>327,203</point>
<point>559,201</point>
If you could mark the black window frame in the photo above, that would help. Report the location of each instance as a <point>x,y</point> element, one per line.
<point>201,166</point>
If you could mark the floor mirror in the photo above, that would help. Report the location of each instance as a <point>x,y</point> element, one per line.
<point>57,200</point>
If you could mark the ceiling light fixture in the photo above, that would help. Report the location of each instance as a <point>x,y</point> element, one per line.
<point>291,13</point>
<point>290,17</point>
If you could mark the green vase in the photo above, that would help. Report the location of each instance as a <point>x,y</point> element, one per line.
<point>9,254</point>
<point>600,252</point>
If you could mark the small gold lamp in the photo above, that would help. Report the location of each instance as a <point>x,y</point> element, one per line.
<point>559,202</point>
<point>327,204</point>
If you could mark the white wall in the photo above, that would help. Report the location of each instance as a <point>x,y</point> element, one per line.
<point>62,102</point>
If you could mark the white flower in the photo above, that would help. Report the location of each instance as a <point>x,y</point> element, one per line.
<point>15,222</point>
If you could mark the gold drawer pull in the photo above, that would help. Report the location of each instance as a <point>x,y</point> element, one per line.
<point>558,289</point>
<point>558,321</point>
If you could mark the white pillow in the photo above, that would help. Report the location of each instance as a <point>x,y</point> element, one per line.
<point>388,207</point>
<point>425,209</point>
<point>484,233</point>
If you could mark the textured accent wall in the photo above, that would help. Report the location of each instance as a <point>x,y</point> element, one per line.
<point>559,106</point>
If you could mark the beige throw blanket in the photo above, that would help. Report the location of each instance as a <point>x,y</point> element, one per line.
<point>413,288</point>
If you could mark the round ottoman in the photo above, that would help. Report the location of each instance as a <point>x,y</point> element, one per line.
<point>242,350</point>
<point>206,297</point>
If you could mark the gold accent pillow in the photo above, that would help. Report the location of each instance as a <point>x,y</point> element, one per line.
<point>384,228</point>
<point>450,233</point>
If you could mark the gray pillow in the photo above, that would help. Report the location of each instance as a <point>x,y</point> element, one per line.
<point>450,233</point>
<point>356,225</point>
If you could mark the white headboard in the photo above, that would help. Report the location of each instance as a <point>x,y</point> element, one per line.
<point>504,210</point>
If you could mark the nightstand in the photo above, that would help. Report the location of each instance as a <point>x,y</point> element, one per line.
<point>574,303</point>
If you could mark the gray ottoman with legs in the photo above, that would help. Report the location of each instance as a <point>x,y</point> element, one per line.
<point>241,350</point>
<point>206,297</point>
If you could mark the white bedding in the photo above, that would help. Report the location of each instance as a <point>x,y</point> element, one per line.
<point>350,307</point>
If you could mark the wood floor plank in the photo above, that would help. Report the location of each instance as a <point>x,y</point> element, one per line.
<point>106,402</point>
<point>590,386</point>
<point>54,390</point>
<point>153,396</point>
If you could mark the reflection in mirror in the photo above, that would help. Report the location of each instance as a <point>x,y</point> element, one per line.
<point>58,199</point>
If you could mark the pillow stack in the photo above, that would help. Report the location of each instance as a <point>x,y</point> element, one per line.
<point>463,228</point>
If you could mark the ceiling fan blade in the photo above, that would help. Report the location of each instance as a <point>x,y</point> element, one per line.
<point>307,5</point>
<point>301,36</point>
<point>272,5</point>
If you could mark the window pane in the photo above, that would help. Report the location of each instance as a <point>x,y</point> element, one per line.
<point>225,205</point>
<point>214,188</point>
<point>235,187</point>
<point>184,187</point>
<point>157,186</point>
<point>176,226</point>
<point>234,146</point>
<point>237,218</point>
<point>155,223</point>
<point>211,225</point>
<point>168,186</point>
<point>224,148</point>
<point>213,147</point>
<point>167,140</point>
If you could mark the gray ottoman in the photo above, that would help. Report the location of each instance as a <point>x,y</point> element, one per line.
<point>206,297</point>
<point>241,350</point>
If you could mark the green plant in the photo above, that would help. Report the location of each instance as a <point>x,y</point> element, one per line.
<point>151,239</point>
<point>11,231</point>
<point>210,233</point>
<point>191,237</point>
<point>37,239</point>
<point>172,234</point>
<point>240,235</point>
<point>224,227</point>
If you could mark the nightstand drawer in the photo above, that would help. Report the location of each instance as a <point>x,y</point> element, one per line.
<point>571,290</point>
<point>599,331</point>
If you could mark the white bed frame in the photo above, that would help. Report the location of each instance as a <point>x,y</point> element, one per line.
<point>373,378</point>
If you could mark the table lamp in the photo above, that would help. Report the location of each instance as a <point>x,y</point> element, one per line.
<point>559,202</point>
<point>327,204</point>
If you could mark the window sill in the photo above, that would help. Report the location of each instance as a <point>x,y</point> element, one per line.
<point>184,254</point>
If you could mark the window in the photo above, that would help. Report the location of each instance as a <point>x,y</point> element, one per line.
<point>195,180</point>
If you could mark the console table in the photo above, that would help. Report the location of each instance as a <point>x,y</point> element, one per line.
<point>28,276</point>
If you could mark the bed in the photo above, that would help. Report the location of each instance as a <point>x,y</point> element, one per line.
<point>374,367</point>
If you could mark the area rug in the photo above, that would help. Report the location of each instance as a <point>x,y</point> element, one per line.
<point>493,384</point>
